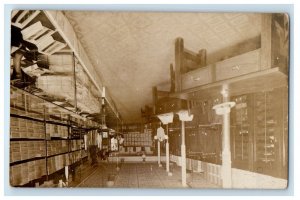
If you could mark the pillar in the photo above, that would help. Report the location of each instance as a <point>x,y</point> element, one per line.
<point>168,153</point>
<point>158,153</point>
<point>67,173</point>
<point>166,119</point>
<point>183,155</point>
<point>226,153</point>
<point>183,116</point>
<point>224,110</point>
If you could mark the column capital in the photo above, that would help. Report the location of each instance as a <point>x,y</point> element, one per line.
<point>223,108</point>
<point>166,118</point>
<point>185,116</point>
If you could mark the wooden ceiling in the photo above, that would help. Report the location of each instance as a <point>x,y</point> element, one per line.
<point>132,51</point>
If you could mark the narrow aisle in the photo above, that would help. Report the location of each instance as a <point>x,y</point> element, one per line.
<point>141,175</point>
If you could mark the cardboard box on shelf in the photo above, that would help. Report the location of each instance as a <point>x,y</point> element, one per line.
<point>14,133</point>
<point>15,175</point>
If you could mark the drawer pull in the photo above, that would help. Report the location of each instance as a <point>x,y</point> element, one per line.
<point>237,68</point>
<point>196,78</point>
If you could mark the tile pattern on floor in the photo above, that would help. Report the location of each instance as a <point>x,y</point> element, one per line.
<point>141,175</point>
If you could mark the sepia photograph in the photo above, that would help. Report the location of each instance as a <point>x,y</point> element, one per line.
<point>144,99</point>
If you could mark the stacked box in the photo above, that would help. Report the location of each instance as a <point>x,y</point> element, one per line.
<point>57,147</point>
<point>22,128</point>
<point>15,150</point>
<point>15,175</point>
<point>17,100</point>
<point>54,130</point>
<point>57,86</point>
<point>40,168</point>
<point>24,150</point>
<point>61,63</point>
<point>56,163</point>
<point>38,130</point>
<point>31,171</point>
<point>62,86</point>
<point>39,149</point>
<point>75,156</point>
<point>30,130</point>
<point>24,173</point>
<point>35,105</point>
<point>75,145</point>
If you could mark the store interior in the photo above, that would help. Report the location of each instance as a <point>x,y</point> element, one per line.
<point>149,99</point>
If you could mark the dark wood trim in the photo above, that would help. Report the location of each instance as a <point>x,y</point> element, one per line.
<point>26,117</point>
<point>179,62</point>
<point>26,160</point>
<point>256,81</point>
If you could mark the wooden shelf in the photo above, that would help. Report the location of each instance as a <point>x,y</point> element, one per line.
<point>249,83</point>
<point>26,139</point>
<point>26,160</point>
<point>26,117</point>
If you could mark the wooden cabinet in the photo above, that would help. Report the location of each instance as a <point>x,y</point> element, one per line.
<point>197,77</point>
<point>270,149</point>
<point>242,132</point>
<point>238,65</point>
<point>259,132</point>
<point>166,105</point>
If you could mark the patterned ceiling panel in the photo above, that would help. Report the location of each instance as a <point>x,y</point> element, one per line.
<point>132,51</point>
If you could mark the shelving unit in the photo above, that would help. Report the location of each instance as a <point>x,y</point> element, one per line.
<point>270,145</point>
<point>242,132</point>
<point>43,144</point>
<point>70,83</point>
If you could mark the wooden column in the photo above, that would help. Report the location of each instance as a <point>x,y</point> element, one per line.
<point>172,78</point>
<point>154,98</point>
<point>179,62</point>
<point>266,44</point>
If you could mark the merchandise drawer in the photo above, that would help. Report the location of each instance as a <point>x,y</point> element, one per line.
<point>196,77</point>
<point>238,65</point>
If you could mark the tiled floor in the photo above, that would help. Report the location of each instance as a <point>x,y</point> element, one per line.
<point>139,175</point>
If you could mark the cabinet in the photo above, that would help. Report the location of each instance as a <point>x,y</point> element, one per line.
<point>270,149</point>
<point>238,65</point>
<point>166,105</point>
<point>197,77</point>
<point>43,139</point>
<point>242,132</point>
<point>259,132</point>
